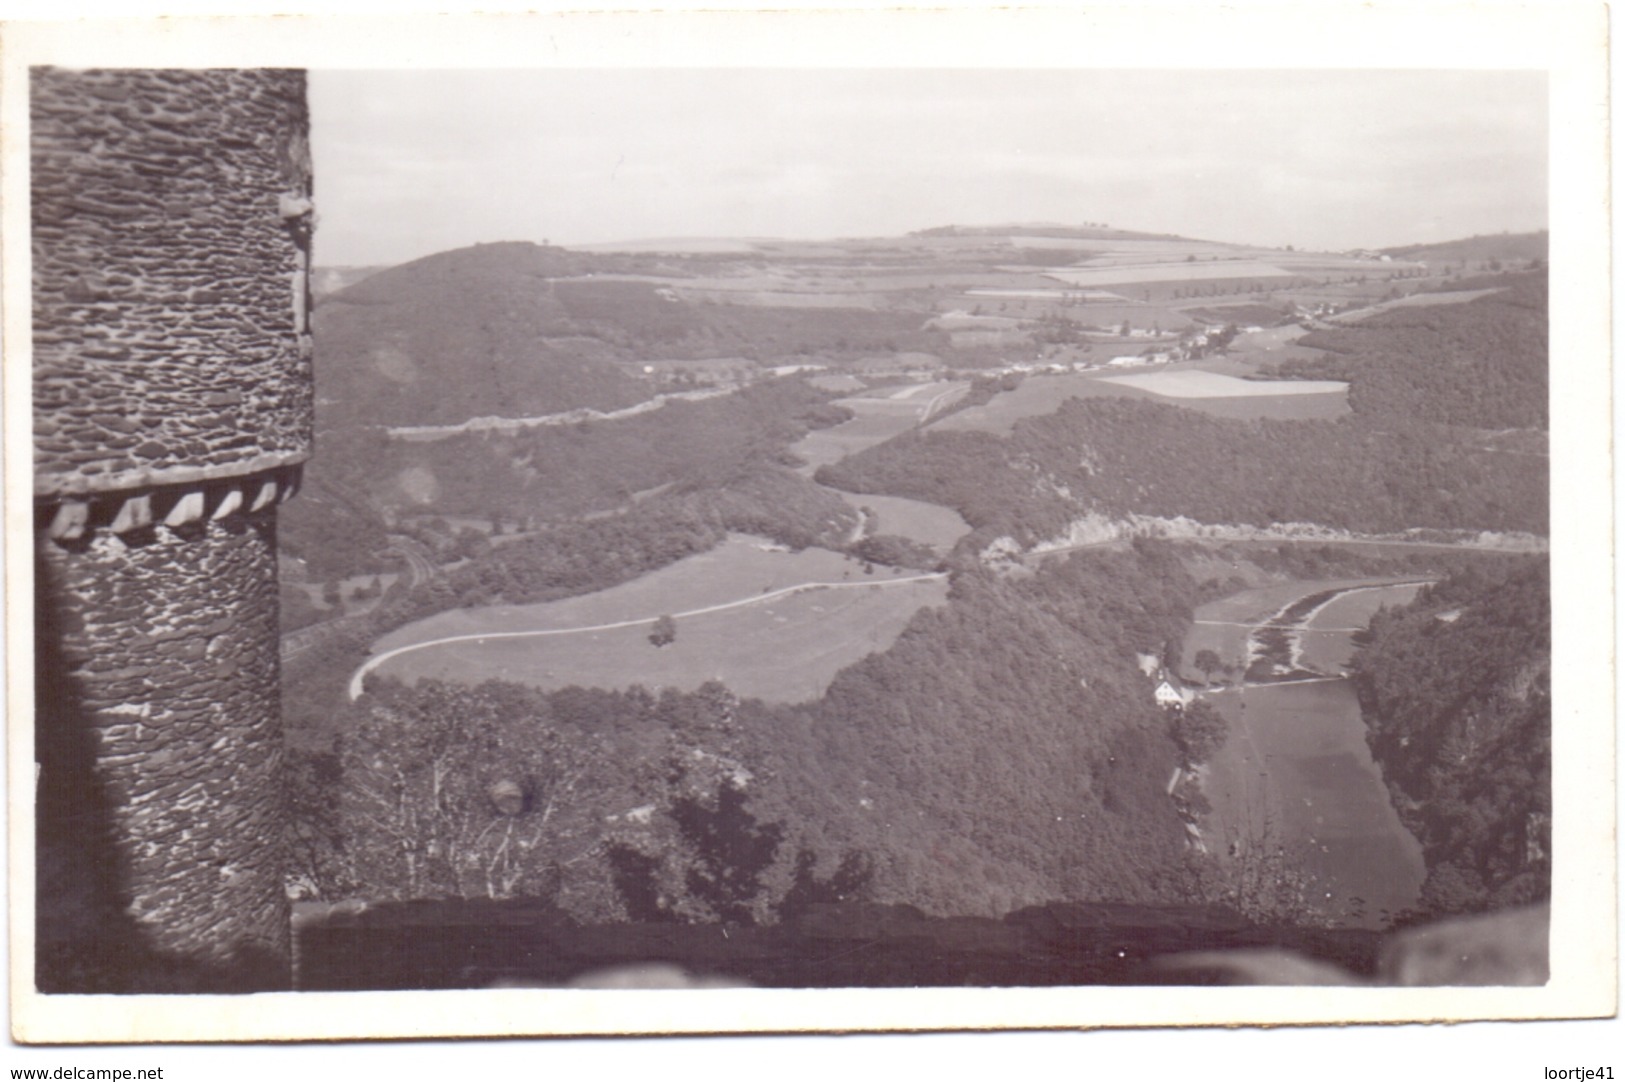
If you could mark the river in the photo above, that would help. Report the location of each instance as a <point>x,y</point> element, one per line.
<point>1295,788</point>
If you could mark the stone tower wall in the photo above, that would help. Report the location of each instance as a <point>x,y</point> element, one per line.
<point>172,408</point>
<point>169,283</point>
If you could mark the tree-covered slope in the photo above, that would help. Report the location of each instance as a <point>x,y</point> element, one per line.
<point>1005,751</point>
<point>1480,365</point>
<point>470,333</point>
<point>1456,690</point>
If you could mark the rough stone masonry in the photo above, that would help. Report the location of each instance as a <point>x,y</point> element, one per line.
<point>173,402</point>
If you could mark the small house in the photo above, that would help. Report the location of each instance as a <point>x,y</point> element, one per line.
<point>1169,696</point>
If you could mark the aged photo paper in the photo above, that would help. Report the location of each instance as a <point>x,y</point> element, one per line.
<point>1561,50</point>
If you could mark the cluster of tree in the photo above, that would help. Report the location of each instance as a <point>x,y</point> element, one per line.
<point>1456,691</point>
<point>546,475</point>
<point>554,472</point>
<point>611,804</point>
<point>586,556</point>
<point>334,533</point>
<point>891,550</point>
<point>1199,730</point>
<point>1482,364</point>
<point>1122,456</point>
<point>1005,751</point>
<point>298,610</point>
<point>1503,246</point>
<point>576,558</point>
<point>469,333</point>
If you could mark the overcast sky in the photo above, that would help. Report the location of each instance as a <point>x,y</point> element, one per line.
<point>411,163</point>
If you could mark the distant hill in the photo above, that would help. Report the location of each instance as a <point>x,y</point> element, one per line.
<point>1085,231</point>
<point>461,334</point>
<point>519,329</point>
<point>1482,249</point>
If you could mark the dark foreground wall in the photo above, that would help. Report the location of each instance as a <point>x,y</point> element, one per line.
<point>477,944</point>
<point>172,407</point>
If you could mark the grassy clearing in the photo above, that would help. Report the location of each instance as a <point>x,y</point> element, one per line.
<point>1036,396</point>
<point>785,648</point>
<point>885,413</point>
<point>1296,773</point>
<point>1266,340</point>
<point>928,523</point>
<point>739,567</point>
<point>1453,296</point>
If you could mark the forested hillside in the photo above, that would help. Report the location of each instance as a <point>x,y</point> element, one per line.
<point>510,330</point>
<point>457,335</point>
<point>1456,690</point>
<point>1479,365</point>
<point>1005,751</point>
<point>1447,432</point>
<point>583,557</point>
<point>550,474</point>
<point>1494,246</point>
<point>1121,456</point>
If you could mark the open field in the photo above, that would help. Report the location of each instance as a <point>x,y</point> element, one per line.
<point>927,523</point>
<point>1043,394</point>
<point>1455,296</point>
<point>768,298</point>
<point>1296,773</point>
<point>881,414</point>
<point>1195,383</point>
<point>769,623</point>
<point>1099,277</point>
<point>741,566</point>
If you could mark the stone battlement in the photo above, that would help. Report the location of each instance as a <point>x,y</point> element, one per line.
<point>71,518</point>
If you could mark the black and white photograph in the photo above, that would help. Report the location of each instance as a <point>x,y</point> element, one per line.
<point>1021,543</point>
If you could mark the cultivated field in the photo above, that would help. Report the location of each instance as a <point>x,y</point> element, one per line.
<point>1099,277</point>
<point>1268,339</point>
<point>1419,300</point>
<point>1195,383</point>
<point>766,638</point>
<point>1233,398</point>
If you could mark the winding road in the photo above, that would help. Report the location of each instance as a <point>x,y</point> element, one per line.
<point>358,680</point>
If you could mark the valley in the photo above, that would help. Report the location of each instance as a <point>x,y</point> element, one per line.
<point>869,540</point>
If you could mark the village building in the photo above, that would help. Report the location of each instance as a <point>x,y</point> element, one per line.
<point>1170,695</point>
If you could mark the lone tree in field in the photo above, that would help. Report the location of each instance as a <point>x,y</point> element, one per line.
<point>664,632</point>
<point>1209,663</point>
